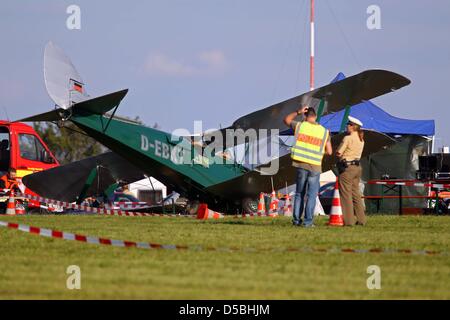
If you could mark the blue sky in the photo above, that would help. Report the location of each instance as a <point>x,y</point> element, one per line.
<point>215,60</point>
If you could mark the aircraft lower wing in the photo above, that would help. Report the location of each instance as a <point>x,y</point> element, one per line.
<point>66,182</point>
<point>337,95</point>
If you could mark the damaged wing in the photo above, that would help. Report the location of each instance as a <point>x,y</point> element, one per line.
<point>66,182</point>
<point>336,96</point>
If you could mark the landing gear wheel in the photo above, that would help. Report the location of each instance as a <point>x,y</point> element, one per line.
<point>250,205</point>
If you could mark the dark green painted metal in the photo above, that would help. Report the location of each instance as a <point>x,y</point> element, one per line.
<point>320,110</point>
<point>345,119</point>
<point>87,185</point>
<point>109,192</point>
<point>110,118</point>
<point>155,145</point>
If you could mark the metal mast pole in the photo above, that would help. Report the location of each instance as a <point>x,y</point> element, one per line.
<point>311,61</point>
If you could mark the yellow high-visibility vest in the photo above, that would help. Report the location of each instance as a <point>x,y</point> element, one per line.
<point>310,140</point>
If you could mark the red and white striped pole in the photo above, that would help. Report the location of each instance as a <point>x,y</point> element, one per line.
<point>311,61</point>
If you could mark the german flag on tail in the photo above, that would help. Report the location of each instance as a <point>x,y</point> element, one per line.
<point>78,87</point>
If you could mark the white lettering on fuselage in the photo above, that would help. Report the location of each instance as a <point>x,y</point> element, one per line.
<point>144,143</point>
<point>158,148</point>
<point>249,146</point>
<point>163,150</point>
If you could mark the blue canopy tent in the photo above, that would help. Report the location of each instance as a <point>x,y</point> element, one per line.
<point>400,160</point>
<point>375,118</point>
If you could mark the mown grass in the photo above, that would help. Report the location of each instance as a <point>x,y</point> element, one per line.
<point>34,267</point>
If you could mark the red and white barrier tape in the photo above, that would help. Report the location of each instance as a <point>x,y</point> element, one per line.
<point>100,210</point>
<point>250,215</point>
<point>140,203</point>
<point>329,188</point>
<point>128,205</point>
<point>412,184</point>
<point>116,212</point>
<point>49,233</point>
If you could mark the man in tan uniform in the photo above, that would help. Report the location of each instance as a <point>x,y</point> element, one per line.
<point>349,152</point>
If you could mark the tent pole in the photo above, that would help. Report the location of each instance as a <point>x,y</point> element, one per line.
<point>432,144</point>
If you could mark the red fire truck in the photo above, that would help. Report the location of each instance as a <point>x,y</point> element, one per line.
<point>22,152</point>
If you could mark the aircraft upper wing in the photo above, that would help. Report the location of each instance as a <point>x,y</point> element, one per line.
<point>66,182</point>
<point>347,92</point>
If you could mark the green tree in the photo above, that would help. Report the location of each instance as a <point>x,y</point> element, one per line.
<point>68,143</point>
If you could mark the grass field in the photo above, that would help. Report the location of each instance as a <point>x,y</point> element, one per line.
<point>35,267</point>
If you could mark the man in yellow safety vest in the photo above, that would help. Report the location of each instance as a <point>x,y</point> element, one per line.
<point>311,142</point>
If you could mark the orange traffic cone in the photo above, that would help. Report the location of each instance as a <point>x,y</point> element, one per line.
<point>273,207</point>
<point>11,206</point>
<point>287,209</point>
<point>336,209</point>
<point>202,210</point>
<point>20,209</point>
<point>204,213</point>
<point>261,205</point>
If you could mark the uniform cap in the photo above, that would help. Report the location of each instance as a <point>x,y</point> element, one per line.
<point>355,121</point>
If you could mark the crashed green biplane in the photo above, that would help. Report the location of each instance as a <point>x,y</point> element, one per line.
<point>185,163</point>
